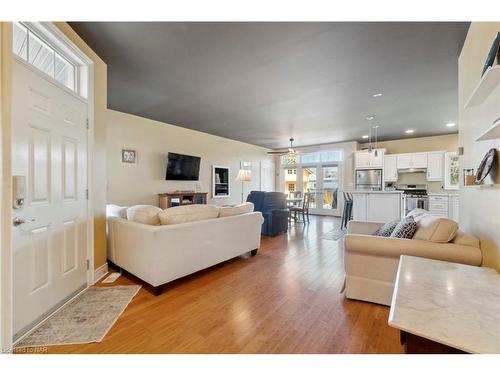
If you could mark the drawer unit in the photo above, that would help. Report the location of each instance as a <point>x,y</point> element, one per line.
<point>439,205</point>
<point>439,213</point>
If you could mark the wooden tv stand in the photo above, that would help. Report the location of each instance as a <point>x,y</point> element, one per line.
<point>181,198</point>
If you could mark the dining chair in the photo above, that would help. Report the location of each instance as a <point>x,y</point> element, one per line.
<point>304,209</point>
<point>347,211</point>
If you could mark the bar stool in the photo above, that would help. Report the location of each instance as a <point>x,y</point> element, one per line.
<point>347,211</point>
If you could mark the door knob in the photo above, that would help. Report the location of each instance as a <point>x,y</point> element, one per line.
<point>19,220</point>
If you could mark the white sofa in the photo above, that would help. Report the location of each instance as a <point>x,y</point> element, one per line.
<point>158,254</point>
<point>371,262</point>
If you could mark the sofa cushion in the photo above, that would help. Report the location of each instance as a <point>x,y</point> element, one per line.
<point>465,240</point>
<point>386,229</point>
<point>435,229</point>
<point>405,228</point>
<point>144,214</point>
<point>418,213</point>
<point>186,214</point>
<point>236,210</point>
<point>112,210</point>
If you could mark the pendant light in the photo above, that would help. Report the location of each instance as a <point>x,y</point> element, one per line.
<point>370,118</point>
<point>376,139</point>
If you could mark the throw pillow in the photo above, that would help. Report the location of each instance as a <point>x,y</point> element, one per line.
<point>144,214</point>
<point>112,210</point>
<point>186,214</point>
<point>405,228</point>
<point>418,213</point>
<point>436,229</point>
<point>239,209</point>
<point>386,229</point>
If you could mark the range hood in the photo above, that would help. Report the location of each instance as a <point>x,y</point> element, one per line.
<point>412,170</point>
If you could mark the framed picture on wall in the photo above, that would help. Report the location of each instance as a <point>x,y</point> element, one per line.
<point>129,156</point>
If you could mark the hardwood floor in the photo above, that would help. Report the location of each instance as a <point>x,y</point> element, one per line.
<point>286,299</point>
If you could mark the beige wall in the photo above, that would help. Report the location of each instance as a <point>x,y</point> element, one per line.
<point>99,107</point>
<point>447,142</point>
<point>479,208</point>
<point>139,183</point>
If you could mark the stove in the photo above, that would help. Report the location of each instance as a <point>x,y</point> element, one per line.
<point>414,196</point>
<point>414,191</point>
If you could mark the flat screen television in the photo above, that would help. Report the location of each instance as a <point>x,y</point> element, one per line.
<point>182,167</point>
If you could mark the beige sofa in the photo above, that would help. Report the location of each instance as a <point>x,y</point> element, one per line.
<point>371,262</point>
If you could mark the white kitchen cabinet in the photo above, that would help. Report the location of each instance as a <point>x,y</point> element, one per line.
<point>404,161</point>
<point>359,206</point>
<point>444,205</point>
<point>414,160</point>
<point>378,160</point>
<point>390,168</point>
<point>453,208</point>
<point>419,160</point>
<point>435,164</point>
<point>364,159</point>
<point>438,205</point>
<point>378,207</point>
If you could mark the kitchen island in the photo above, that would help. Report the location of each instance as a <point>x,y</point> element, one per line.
<point>378,206</point>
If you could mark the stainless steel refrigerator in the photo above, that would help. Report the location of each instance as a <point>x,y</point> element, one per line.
<point>369,179</point>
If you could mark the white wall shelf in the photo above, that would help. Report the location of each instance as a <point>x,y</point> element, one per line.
<point>486,85</point>
<point>493,132</point>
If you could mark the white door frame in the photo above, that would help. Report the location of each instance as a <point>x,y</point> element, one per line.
<point>319,182</point>
<point>60,40</point>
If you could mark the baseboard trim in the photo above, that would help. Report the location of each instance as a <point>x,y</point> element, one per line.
<point>100,272</point>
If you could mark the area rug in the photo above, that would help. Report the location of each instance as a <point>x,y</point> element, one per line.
<point>86,319</point>
<point>334,235</point>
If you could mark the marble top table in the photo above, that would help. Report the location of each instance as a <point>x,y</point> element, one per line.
<point>449,303</point>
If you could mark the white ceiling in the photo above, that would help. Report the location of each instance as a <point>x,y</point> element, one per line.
<point>264,82</point>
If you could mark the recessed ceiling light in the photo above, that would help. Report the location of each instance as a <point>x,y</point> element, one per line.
<point>365,136</point>
<point>409,131</point>
<point>377,95</point>
<point>451,124</point>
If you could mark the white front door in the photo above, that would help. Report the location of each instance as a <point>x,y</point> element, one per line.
<point>49,148</point>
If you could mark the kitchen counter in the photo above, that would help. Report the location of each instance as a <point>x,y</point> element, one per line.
<point>376,192</point>
<point>377,206</point>
<point>448,303</point>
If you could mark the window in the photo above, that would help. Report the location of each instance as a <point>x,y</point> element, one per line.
<point>451,171</point>
<point>38,53</point>
<point>313,157</point>
<point>291,187</point>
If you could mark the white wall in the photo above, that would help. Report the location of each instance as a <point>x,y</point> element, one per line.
<point>139,183</point>
<point>479,208</point>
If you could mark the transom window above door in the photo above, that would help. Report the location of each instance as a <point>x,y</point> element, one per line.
<point>314,157</point>
<point>30,47</point>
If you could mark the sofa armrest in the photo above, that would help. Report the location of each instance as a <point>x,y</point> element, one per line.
<point>395,247</point>
<point>363,227</point>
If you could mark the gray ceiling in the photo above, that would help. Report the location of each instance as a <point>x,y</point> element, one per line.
<point>264,82</point>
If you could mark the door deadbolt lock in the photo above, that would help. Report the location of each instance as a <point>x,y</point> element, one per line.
<point>19,220</point>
